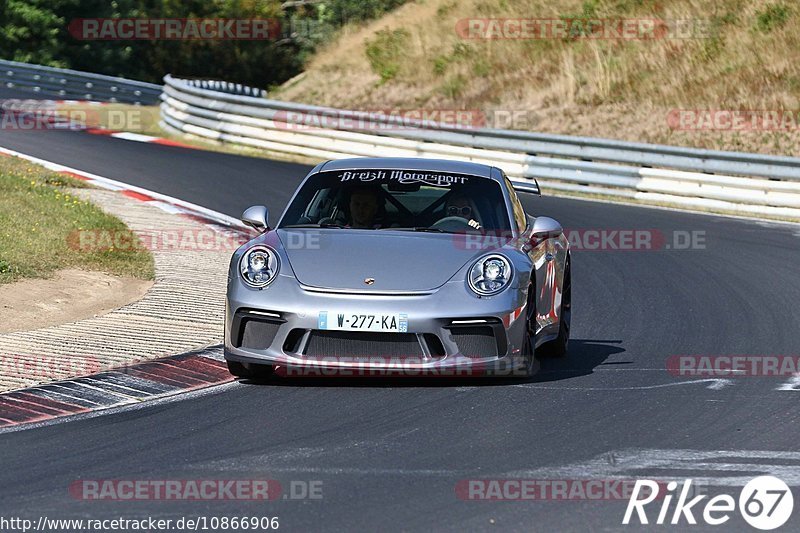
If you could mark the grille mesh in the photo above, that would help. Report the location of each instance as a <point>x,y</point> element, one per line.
<point>258,334</point>
<point>356,344</point>
<point>478,341</point>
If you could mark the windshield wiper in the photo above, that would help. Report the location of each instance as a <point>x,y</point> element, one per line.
<point>418,228</point>
<point>314,226</point>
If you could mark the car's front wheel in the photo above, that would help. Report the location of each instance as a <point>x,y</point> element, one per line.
<point>250,370</point>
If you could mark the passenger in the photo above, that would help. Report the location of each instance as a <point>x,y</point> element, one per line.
<point>460,205</point>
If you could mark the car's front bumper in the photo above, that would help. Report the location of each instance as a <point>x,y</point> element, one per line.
<point>442,321</point>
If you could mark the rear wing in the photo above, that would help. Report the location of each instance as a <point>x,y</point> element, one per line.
<point>530,186</point>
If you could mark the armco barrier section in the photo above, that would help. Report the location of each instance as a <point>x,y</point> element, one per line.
<point>65,84</point>
<point>739,182</point>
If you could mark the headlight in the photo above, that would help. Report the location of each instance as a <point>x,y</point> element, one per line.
<point>490,275</point>
<point>259,266</point>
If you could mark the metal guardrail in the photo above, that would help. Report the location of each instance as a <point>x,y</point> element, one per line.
<point>740,182</point>
<point>68,84</point>
<point>227,87</point>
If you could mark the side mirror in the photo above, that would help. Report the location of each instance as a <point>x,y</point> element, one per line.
<point>257,217</point>
<point>545,228</point>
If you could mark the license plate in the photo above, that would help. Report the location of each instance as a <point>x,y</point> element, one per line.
<point>354,321</point>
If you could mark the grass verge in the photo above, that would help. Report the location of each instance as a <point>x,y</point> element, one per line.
<point>39,217</point>
<point>118,117</point>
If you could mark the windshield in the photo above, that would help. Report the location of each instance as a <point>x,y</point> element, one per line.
<point>399,199</point>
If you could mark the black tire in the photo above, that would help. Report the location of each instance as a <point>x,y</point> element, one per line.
<point>249,370</point>
<point>558,346</point>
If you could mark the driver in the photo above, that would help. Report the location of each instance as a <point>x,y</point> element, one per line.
<point>460,205</point>
<point>364,208</point>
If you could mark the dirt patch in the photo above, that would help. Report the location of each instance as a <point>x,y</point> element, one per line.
<point>68,296</point>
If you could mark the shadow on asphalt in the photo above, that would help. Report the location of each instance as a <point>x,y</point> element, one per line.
<point>582,358</point>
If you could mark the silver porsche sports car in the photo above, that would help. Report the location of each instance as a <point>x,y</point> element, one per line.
<point>409,266</point>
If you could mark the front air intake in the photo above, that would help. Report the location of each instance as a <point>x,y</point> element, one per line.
<point>475,341</point>
<point>257,334</point>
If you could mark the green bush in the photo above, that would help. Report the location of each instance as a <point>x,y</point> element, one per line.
<point>453,87</point>
<point>37,31</point>
<point>339,12</point>
<point>773,16</point>
<point>440,65</point>
<point>385,51</point>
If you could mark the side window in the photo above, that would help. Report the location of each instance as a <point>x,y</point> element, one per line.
<point>516,206</point>
<point>320,205</point>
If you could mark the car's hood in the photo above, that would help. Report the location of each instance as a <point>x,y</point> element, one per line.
<point>343,259</point>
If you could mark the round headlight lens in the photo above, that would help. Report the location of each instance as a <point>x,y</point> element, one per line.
<point>259,266</point>
<point>258,260</point>
<point>493,269</point>
<point>490,275</point>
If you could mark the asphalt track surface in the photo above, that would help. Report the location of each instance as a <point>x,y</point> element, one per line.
<point>390,453</point>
